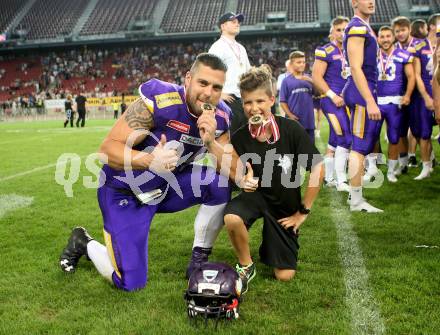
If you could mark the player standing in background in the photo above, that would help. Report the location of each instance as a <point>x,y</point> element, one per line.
<point>330,73</point>
<point>401,26</point>
<point>360,95</point>
<point>423,124</point>
<point>436,79</point>
<point>296,94</point>
<point>234,55</point>
<point>395,69</point>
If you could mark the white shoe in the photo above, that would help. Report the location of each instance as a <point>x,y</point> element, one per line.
<point>343,187</point>
<point>391,177</point>
<point>364,206</point>
<point>330,183</point>
<point>424,174</point>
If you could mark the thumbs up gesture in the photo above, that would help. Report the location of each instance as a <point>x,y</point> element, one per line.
<point>164,157</point>
<point>249,183</point>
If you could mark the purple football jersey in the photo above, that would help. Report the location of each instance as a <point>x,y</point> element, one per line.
<point>424,51</point>
<point>297,94</point>
<point>172,118</point>
<point>337,68</point>
<point>394,83</point>
<point>359,28</point>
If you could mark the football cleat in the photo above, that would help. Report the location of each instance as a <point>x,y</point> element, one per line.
<point>199,256</point>
<point>343,187</point>
<point>423,175</point>
<point>391,177</point>
<point>246,273</point>
<point>364,206</point>
<point>330,183</point>
<point>76,247</point>
<point>412,162</point>
<point>401,170</point>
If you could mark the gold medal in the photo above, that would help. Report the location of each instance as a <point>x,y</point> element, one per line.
<point>383,76</point>
<point>344,74</point>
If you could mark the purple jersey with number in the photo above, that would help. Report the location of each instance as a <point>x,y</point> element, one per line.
<point>359,28</point>
<point>394,83</point>
<point>298,95</point>
<point>172,118</point>
<point>424,52</point>
<point>333,56</point>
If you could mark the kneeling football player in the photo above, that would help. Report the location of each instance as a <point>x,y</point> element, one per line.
<point>278,148</point>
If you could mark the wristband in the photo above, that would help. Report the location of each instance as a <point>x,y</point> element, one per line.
<point>330,94</point>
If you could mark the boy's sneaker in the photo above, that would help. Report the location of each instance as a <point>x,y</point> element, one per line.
<point>246,273</point>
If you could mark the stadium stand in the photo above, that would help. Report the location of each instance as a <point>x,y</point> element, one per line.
<point>51,18</point>
<point>111,16</point>
<point>385,10</point>
<point>9,8</point>
<point>192,15</point>
<point>297,10</point>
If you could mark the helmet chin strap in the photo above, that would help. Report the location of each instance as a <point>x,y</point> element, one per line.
<point>257,127</point>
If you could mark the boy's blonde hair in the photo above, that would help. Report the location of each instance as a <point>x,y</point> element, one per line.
<point>256,78</point>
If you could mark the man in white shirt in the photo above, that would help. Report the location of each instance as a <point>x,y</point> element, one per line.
<point>234,55</point>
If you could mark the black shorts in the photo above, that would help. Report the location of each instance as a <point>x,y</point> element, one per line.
<point>279,248</point>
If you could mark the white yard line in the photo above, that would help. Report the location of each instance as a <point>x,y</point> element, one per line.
<point>364,310</point>
<point>365,313</point>
<point>11,202</point>
<point>24,173</point>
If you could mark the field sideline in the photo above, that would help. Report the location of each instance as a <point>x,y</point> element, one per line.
<point>358,273</point>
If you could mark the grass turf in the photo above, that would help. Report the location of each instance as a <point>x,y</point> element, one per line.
<point>37,298</point>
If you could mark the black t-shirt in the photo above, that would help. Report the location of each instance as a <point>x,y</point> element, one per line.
<point>277,165</point>
<point>68,105</point>
<point>81,102</point>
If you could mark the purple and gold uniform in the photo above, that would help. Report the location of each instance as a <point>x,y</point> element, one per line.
<point>335,77</point>
<point>127,220</point>
<point>407,111</point>
<point>297,94</point>
<point>391,89</point>
<point>365,132</point>
<point>423,120</point>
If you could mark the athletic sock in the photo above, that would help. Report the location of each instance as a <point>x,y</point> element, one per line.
<point>100,258</point>
<point>356,195</point>
<point>392,164</point>
<point>329,162</point>
<point>207,225</point>
<point>403,160</point>
<point>341,158</point>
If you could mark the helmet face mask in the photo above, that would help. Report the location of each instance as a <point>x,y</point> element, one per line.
<point>213,292</point>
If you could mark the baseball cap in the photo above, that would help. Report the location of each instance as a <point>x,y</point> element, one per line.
<point>229,17</point>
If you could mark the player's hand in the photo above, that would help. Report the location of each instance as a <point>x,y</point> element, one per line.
<point>338,101</point>
<point>405,100</point>
<point>207,125</point>
<point>437,115</point>
<point>249,183</point>
<point>429,103</point>
<point>293,117</point>
<point>373,111</point>
<point>294,221</point>
<point>228,98</point>
<point>164,160</point>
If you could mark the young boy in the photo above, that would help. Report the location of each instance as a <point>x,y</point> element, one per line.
<point>278,147</point>
<point>296,94</point>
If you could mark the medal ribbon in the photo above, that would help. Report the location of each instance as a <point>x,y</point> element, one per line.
<point>255,132</point>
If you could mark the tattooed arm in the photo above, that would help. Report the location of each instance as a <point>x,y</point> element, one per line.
<point>129,130</point>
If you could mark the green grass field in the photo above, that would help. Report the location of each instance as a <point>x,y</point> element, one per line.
<point>358,273</point>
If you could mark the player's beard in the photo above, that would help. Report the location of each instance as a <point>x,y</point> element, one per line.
<point>194,108</point>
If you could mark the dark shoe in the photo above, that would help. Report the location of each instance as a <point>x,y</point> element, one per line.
<point>76,247</point>
<point>412,162</point>
<point>199,256</point>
